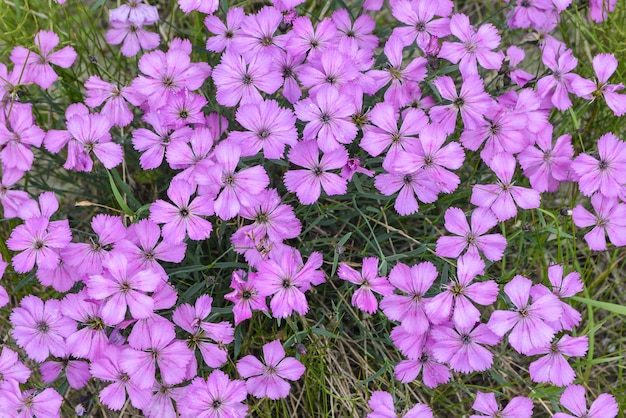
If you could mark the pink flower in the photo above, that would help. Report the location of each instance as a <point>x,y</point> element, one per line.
<point>183,218</point>
<point>360,30</point>
<point>408,186</point>
<point>462,347</point>
<point>183,108</point>
<point>13,201</point>
<point>604,66</point>
<point>550,164</point>
<point>209,338</point>
<point>76,372</point>
<point>40,328</point>
<point>108,367</point>
<point>245,296</point>
<point>11,368</point>
<point>307,184</point>
<point>38,68</point>
<point>368,281</point>
<point>168,73</point>
<point>132,36</point>
<point>562,287</point>
<point>515,56</point>
<point>17,137</point>
<point>123,287</point>
<point>91,339</point>
<point>268,379</point>
<point>306,39</point>
<point>286,277</point>
<point>518,407</point>
<point>610,218</point>
<point>135,11</point>
<point>553,367</point>
<point>433,373</point>
<point>472,102</point>
<point>397,94</point>
<point>414,282</point>
<point>165,351</point>
<point>385,132</point>
<point>238,188</point>
<point>430,154</point>
<point>474,239</point>
<point>573,399</point>
<point>269,129</point>
<point>238,81</point>
<point>154,144</point>
<point>503,196</point>
<point>256,40</point>
<point>600,9</point>
<point>603,173</point>
<point>215,397</point>
<point>455,301</point>
<point>203,6</point>
<point>30,403</point>
<point>224,34</point>
<point>561,61</point>
<point>476,45</point>
<point>38,238</point>
<point>330,119</point>
<point>91,134</point>
<point>419,16</point>
<point>381,404</point>
<point>530,332</point>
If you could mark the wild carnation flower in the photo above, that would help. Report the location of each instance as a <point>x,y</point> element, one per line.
<point>610,219</point>
<point>268,379</point>
<point>38,68</point>
<point>368,281</point>
<point>203,6</point>
<point>224,34</point>
<point>473,238</point>
<point>331,67</point>
<point>415,282</point>
<point>604,65</point>
<point>38,238</point>
<point>238,81</point>
<point>183,218</point>
<point>210,338</point>
<point>132,36</point>
<point>269,129</point>
<point>307,184</point>
<point>286,277</point>
<point>553,367</point>
<point>360,30</point>
<point>329,117</point>
<point>408,186</point>
<point>306,39</point>
<point>573,399</point>
<point>476,45</point>
<point>256,38</point>
<point>433,372</point>
<point>154,144</point>
<point>382,406</point>
<point>165,351</point>
<point>455,302</point>
<point>238,187</point>
<point>108,367</point>
<point>245,296</point>
<point>168,73</point>
<point>123,287</point>
<point>30,403</point>
<point>135,11</point>
<point>17,137</point>
<point>40,328</point>
<point>420,18</point>
<point>13,201</point>
<point>472,102</point>
<point>530,332</point>
<point>215,397</point>
<point>462,347</point>
<point>556,86</point>
<point>518,407</point>
<point>91,339</point>
<point>515,55</point>
<point>113,97</point>
<point>11,368</point>
<point>562,287</point>
<point>549,164</point>
<point>503,196</point>
<point>603,173</point>
<point>183,108</point>
<point>91,134</point>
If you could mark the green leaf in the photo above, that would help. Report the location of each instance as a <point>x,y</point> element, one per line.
<point>611,307</point>
<point>120,200</point>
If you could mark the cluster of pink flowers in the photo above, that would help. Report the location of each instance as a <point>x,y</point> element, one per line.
<point>300,99</point>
